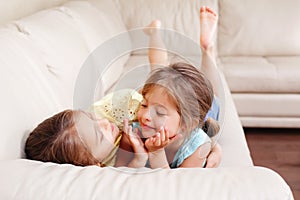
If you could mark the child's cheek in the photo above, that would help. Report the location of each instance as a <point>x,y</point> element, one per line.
<point>139,115</point>
<point>174,129</point>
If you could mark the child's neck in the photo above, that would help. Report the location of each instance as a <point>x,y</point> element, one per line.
<point>172,149</point>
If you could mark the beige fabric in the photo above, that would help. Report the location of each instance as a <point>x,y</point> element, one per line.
<point>28,180</point>
<point>118,106</point>
<point>259,27</point>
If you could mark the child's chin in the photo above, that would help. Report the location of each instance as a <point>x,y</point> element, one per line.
<point>148,133</point>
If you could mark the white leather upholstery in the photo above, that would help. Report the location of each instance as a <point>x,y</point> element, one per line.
<point>259,49</point>
<point>50,181</point>
<point>262,74</point>
<point>259,28</point>
<point>42,56</point>
<point>11,10</point>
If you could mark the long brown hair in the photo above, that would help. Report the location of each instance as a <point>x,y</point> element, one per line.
<point>189,89</point>
<point>56,140</point>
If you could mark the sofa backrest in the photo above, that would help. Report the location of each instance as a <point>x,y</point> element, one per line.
<point>179,16</point>
<point>259,27</point>
<point>172,13</point>
<point>40,58</point>
<point>15,9</point>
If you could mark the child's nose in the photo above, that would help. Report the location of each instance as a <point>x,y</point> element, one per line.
<point>147,114</point>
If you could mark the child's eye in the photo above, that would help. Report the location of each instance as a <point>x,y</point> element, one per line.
<point>144,105</point>
<point>160,114</point>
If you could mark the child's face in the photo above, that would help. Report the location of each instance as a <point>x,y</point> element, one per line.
<point>156,111</point>
<point>98,134</point>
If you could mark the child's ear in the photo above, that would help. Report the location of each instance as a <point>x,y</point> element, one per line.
<point>195,123</point>
<point>183,127</point>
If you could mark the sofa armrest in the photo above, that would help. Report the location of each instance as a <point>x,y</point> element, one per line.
<point>25,179</point>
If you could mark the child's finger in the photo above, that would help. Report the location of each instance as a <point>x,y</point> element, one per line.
<point>129,133</point>
<point>167,134</point>
<point>157,140</point>
<point>125,125</point>
<point>134,132</point>
<point>136,136</point>
<point>162,135</point>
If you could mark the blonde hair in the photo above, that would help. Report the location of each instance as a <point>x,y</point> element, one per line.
<point>191,92</point>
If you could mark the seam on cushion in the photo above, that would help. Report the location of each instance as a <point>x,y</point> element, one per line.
<point>20,28</point>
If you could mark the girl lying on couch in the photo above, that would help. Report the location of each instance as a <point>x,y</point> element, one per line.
<point>78,138</point>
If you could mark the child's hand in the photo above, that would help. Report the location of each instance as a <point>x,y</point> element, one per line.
<point>160,140</point>
<point>214,157</point>
<point>134,139</point>
<point>140,153</point>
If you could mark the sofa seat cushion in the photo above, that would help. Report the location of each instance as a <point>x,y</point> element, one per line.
<point>25,179</point>
<point>283,105</point>
<point>274,122</point>
<point>262,74</point>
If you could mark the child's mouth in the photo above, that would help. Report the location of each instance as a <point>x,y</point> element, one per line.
<point>148,131</point>
<point>147,128</point>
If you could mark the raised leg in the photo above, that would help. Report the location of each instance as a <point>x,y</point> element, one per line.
<point>158,55</point>
<point>208,24</point>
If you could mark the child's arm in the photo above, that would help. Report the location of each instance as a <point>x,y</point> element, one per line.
<point>214,157</point>
<point>132,152</point>
<point>158,159</point>
<point>140,154</point>
<point>157,53</point>
<point>155,146</point>
<point>197,159</point>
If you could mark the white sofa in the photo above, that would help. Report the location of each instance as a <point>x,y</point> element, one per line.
<point>46,47</point>
<point>259,49</point>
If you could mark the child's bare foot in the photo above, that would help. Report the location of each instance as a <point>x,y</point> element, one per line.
<point>152,27</point>
<point>208,24</point>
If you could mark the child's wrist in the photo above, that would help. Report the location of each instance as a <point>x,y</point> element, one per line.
<point>158,159</point>
<point>156,152</point>
<point>140,157</point>
<point>138,161</point>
